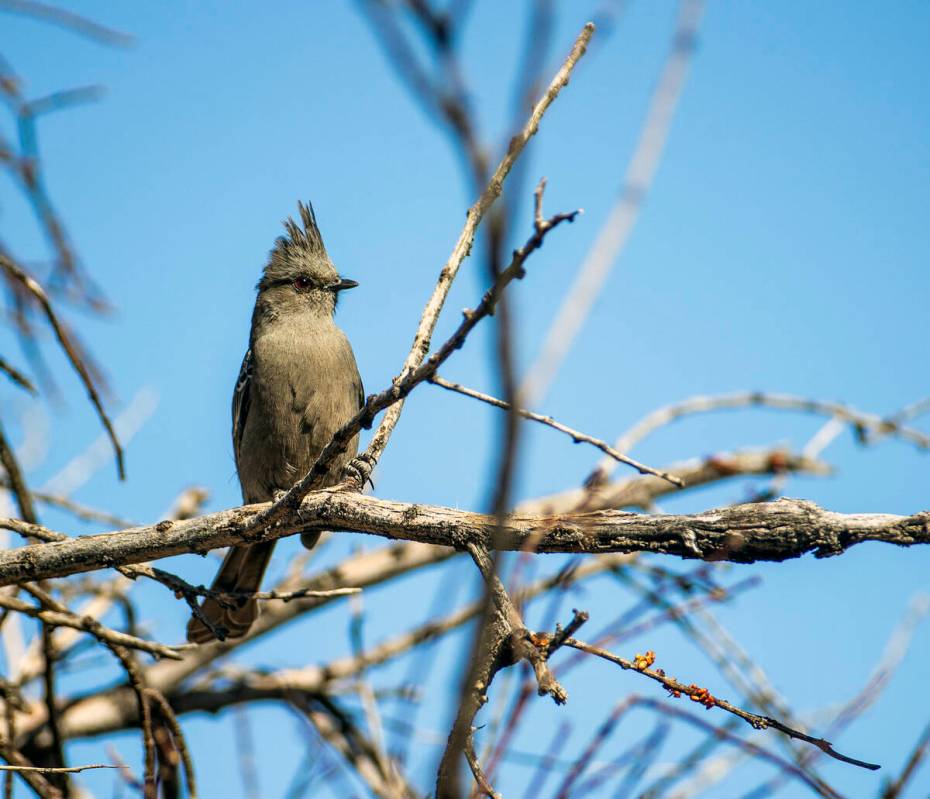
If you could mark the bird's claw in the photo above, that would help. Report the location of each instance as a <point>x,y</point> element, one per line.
<point>359,470</point>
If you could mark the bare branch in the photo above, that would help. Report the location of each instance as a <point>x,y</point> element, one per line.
<point>68,20</point>
<point>859,420</point>
<point>773,531</point>
<point>91,626</point>
<point>57,770</point>
<point>642,492</point>
<point>137,684</point>
<point>576,435</point>
<point>34,779</point>
<point>76,509</point>
<point>17,376</point>
<point>37,292</point>
<point>703,696</point>
<point>16,480</point>
<point>421,341</point>
<point>481,779</point>
<point>665,708</point>
<point>921,747</point>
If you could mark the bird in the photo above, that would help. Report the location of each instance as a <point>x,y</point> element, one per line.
<point>299,383</point>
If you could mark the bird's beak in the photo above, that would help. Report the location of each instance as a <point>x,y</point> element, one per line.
<point>343,284</point>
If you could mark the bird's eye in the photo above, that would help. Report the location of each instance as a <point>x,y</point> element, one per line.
<point>302,283</point>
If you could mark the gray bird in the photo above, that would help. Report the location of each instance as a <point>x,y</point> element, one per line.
<point>298,385</point>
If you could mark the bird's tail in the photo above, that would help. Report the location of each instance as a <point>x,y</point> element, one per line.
<point>241,572</point>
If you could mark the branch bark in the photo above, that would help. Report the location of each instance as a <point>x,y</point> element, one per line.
<point>774,531</point>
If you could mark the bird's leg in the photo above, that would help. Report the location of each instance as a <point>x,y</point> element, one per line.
<point>358,471</point>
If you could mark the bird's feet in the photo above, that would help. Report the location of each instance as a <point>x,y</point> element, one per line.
<point>359,470</point>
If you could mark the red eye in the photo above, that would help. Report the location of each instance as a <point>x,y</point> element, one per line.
<point>302,283</point>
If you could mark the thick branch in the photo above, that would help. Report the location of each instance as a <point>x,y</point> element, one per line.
<point>774,531</point>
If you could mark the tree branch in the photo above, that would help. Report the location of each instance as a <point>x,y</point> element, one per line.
<point>421,341</point>
<point>772,531</point>
<point>702,696</point>
<point>576,435</point>
<point>642,492</point>
<point>865,424</point>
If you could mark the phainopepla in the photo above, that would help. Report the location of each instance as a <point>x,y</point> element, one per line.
<point>298,385</point>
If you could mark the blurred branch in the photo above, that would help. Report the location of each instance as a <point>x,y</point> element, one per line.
<point>449,105</point>
<point>642,492</point>
<point>63,618</point>
<point>667,709</point>
<point>893,655</point>
<point>921,747</point>
<point>16,481</point>
<point>34,289</point>
<point>860,421</point>
<point>17,376</point>
<point>113,708</point>
<point>76,509</point>
<point>336,727</point>
<point>68,20</point>
<point>615,231</point>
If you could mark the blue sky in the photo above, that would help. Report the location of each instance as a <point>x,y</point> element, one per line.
<point>783,247</point>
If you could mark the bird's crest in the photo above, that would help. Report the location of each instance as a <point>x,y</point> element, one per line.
<point>299,240</point>
<point>300,250</point>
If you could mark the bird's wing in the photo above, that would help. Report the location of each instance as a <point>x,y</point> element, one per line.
<point>359,389</point>
<point>240,403</point>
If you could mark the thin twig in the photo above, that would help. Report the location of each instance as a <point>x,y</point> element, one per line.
<point>56,769</point>
<point>702,695</point>
<point>91,626</point>
<point>42,787</point>
<point>481,780</point>
<point>576,435</point>
<point>17,376</point>
<point>664,708</point>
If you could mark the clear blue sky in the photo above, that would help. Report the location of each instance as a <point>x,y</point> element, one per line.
<point>784,247</point>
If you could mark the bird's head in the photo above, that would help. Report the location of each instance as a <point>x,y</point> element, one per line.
<point>299,276</point>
